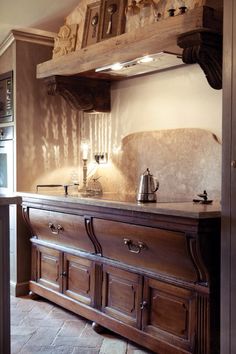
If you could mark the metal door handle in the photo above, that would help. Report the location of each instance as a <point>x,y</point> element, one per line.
<point>55,229</point>
<point>134,247</point>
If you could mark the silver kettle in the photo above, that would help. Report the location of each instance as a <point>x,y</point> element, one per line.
<point>147,187</point>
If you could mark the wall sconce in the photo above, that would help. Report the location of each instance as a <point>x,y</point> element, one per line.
<point>101,158</point>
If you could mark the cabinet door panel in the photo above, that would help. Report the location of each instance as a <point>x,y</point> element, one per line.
<point>122,295</point>
<point>48,268</point>
<point>79,277</point>
<point>170,313</point>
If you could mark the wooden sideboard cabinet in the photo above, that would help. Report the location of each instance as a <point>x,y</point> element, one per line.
<point>149,276</point>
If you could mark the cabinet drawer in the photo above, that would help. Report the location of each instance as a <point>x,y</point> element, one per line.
<point>63,229</point>
<point>155,249</point>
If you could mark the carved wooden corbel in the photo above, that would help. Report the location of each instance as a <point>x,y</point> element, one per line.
<point>205,48</point>
<point>85,94</point>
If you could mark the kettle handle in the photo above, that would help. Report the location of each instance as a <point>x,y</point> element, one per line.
<point>157,184</point>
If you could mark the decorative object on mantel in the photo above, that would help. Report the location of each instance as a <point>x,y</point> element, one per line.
<point>112,18</point>
<point>90,35</point>
<point>65,41</point>
<point>203,22</point>
<point>132,14</point>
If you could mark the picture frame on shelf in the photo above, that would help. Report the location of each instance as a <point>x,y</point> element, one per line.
<point>112,18</point>
<point>91,25</point>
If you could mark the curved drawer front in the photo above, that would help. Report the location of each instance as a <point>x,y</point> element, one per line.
<point>63,229</point>
<point>146,247</point>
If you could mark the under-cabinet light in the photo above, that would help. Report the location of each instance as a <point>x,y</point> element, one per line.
<point>141,65</point>
<point>117,66</point>
<point>146,59</point>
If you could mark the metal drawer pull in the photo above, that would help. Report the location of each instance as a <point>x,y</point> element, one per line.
<point>55,229</point>
<point>134,247</point>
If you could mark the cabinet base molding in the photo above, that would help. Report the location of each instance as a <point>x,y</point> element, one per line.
<point>19,289</point>
<point>104,321</point>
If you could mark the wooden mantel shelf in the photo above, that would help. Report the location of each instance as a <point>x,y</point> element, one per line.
<point>167,35</point>
<point>157,37</point>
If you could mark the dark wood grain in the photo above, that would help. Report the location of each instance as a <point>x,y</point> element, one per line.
<point>166,289</point>
<point>228,245</point>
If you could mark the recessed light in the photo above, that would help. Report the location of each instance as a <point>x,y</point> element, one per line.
<point>116,66</point>
<point>145,59</point>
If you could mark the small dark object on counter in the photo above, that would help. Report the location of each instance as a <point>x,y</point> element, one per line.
<point>65,186</point>
<point>205,199</point>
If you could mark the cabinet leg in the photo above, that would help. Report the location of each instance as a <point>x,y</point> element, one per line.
<point>97,328</point>
<point>33,296</point>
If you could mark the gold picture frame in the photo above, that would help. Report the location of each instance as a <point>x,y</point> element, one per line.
<point>91,26</point>
<point>112,18</point>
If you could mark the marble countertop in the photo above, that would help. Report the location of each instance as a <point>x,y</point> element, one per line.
<point>165,206</point>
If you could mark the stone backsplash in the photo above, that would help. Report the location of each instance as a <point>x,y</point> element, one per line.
<point>185,161</point>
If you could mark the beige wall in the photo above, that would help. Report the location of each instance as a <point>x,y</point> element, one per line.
<point>179,98</point>
<point>173,99</point>
<point>47,130</point>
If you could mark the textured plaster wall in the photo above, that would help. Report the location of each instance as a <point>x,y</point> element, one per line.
<point>185,109</point>
<point>179,98</point>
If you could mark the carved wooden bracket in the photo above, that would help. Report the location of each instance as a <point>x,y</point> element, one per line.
<point>205,48</point>
<point>85,94</point>
<point>195,254</point>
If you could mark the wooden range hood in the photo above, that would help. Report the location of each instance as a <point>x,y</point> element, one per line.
<point>195,36</point>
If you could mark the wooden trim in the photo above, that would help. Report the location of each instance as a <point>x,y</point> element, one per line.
<point>28,35</point>
<point>4,281</point>
<point>227,291</point>
<point>106,321</point>
<point>19,289</point>
<point>154,38</point>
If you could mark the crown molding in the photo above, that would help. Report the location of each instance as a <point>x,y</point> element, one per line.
<point>28,35</point>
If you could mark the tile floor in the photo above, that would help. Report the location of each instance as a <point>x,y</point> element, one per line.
<point>38,326</point>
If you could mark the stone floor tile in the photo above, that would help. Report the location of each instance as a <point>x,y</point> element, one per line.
<point>43,337</point>
<point>29,349</point>
<point>17,342</point>
<point>113,345</point>
<point>37,313</point>
<point>25,305</point>
<point>135,349</point>
<point>72,328</point>
<point>59,313</point>
<point>17,318</point>
<point>49,329</point>
<point>89,332</point>
<point>29,321</point>
<point>85,351</point>
<point>23,330</point>
<point>78,342</point>
<point>15,300</point>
